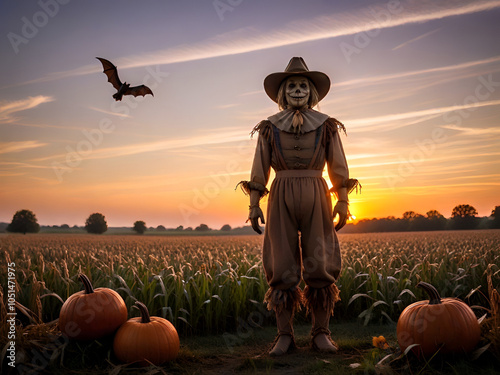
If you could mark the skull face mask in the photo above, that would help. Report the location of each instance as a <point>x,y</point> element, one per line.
<point>297,91</point>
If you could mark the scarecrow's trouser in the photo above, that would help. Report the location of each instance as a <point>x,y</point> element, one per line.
<point>300,243</point>
<point>299,239</point>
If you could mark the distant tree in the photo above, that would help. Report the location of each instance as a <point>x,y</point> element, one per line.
<point>202,228</point>
<point>139,227</point>
<point>180,228</point>
<point>463,216</point>
<point>96,223</point>
<point>226,228</point>
<point>24,221</point>
<point>495,214</point>
<point>418,223</point>
<point>407,222</point>
<point>435,220</point>
<point>161,228</point>
<point>408,215</point>
<point>434,214</point>
<point>464,210</point>
<point>65,226</point>
<point>189,229</point>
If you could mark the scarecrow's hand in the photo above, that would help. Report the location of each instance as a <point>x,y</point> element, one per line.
<point>254,216</point>
<point>341,209</point>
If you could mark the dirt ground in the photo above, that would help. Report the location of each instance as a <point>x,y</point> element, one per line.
<point>246,352</point>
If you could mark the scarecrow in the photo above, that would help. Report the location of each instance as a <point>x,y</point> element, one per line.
<point>300,242</point>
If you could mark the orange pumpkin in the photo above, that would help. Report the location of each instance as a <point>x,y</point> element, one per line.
<point>92,313</point>
<point>146,339</point>
<point>447,325</point>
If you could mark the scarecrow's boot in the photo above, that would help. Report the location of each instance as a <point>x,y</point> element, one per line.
<point>320,302</point>
<point>320,333</point>
<point>284,340</point>
<point>284,303</point>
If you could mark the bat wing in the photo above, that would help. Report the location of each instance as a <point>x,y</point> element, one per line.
<point>110,70</point>
<point>139,90</point>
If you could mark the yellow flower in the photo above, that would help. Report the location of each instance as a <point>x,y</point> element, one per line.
<point>380,342</point>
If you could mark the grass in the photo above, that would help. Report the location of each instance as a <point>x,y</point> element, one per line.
<point>211,289</point>
<point>210,354</point>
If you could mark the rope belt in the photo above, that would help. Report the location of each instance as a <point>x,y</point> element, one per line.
<point>299,173</point>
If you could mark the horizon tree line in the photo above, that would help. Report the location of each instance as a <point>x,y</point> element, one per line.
<point>463,216</point>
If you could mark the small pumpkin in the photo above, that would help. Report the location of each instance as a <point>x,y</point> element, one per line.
<point>146,339</point>
<point>447,324</point>
<point>92,313</point>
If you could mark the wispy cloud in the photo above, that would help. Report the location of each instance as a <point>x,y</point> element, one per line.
<point>481,177</point>
<point>18,165</point>
<point>415,39</point>
<point>401,75</point>
<point>11,174</point>
<point>465,169</point>
<point>436,162</point>
<point>17,169</point>
<point>473,131</point>
<point>165,145</point>
<point>426,190</point>
<point>364,122</point>
<point>8,109</point>
<point>382,89</point>
<point>366,156</point>
<point>323,27</point>
<point>393,125</point>
<point>109,112</point>
<point>6,147</point>
<point>226,106</point>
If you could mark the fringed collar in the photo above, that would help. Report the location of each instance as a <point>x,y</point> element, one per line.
<point>295,121</point>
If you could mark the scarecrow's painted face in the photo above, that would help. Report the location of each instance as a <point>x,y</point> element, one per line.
<point>297,91</point>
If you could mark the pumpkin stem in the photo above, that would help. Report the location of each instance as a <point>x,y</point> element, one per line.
<point>144,312</point>
<point>434,297</point>
<point>86,283</point>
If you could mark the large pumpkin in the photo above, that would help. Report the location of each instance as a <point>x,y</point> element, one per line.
<point>146,339</point>
<point>447,325</point>
<point>92,313</point>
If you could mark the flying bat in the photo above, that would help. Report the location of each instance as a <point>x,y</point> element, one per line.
<point>123,88</point>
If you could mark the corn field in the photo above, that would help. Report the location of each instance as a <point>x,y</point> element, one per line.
<point>209,284</point>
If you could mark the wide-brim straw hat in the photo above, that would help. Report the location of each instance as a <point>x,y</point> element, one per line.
<point>296,67</point>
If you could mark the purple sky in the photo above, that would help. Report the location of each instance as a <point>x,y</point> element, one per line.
<point>415,82</point>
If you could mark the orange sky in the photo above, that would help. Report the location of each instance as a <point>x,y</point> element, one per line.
<point>417,91</point>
